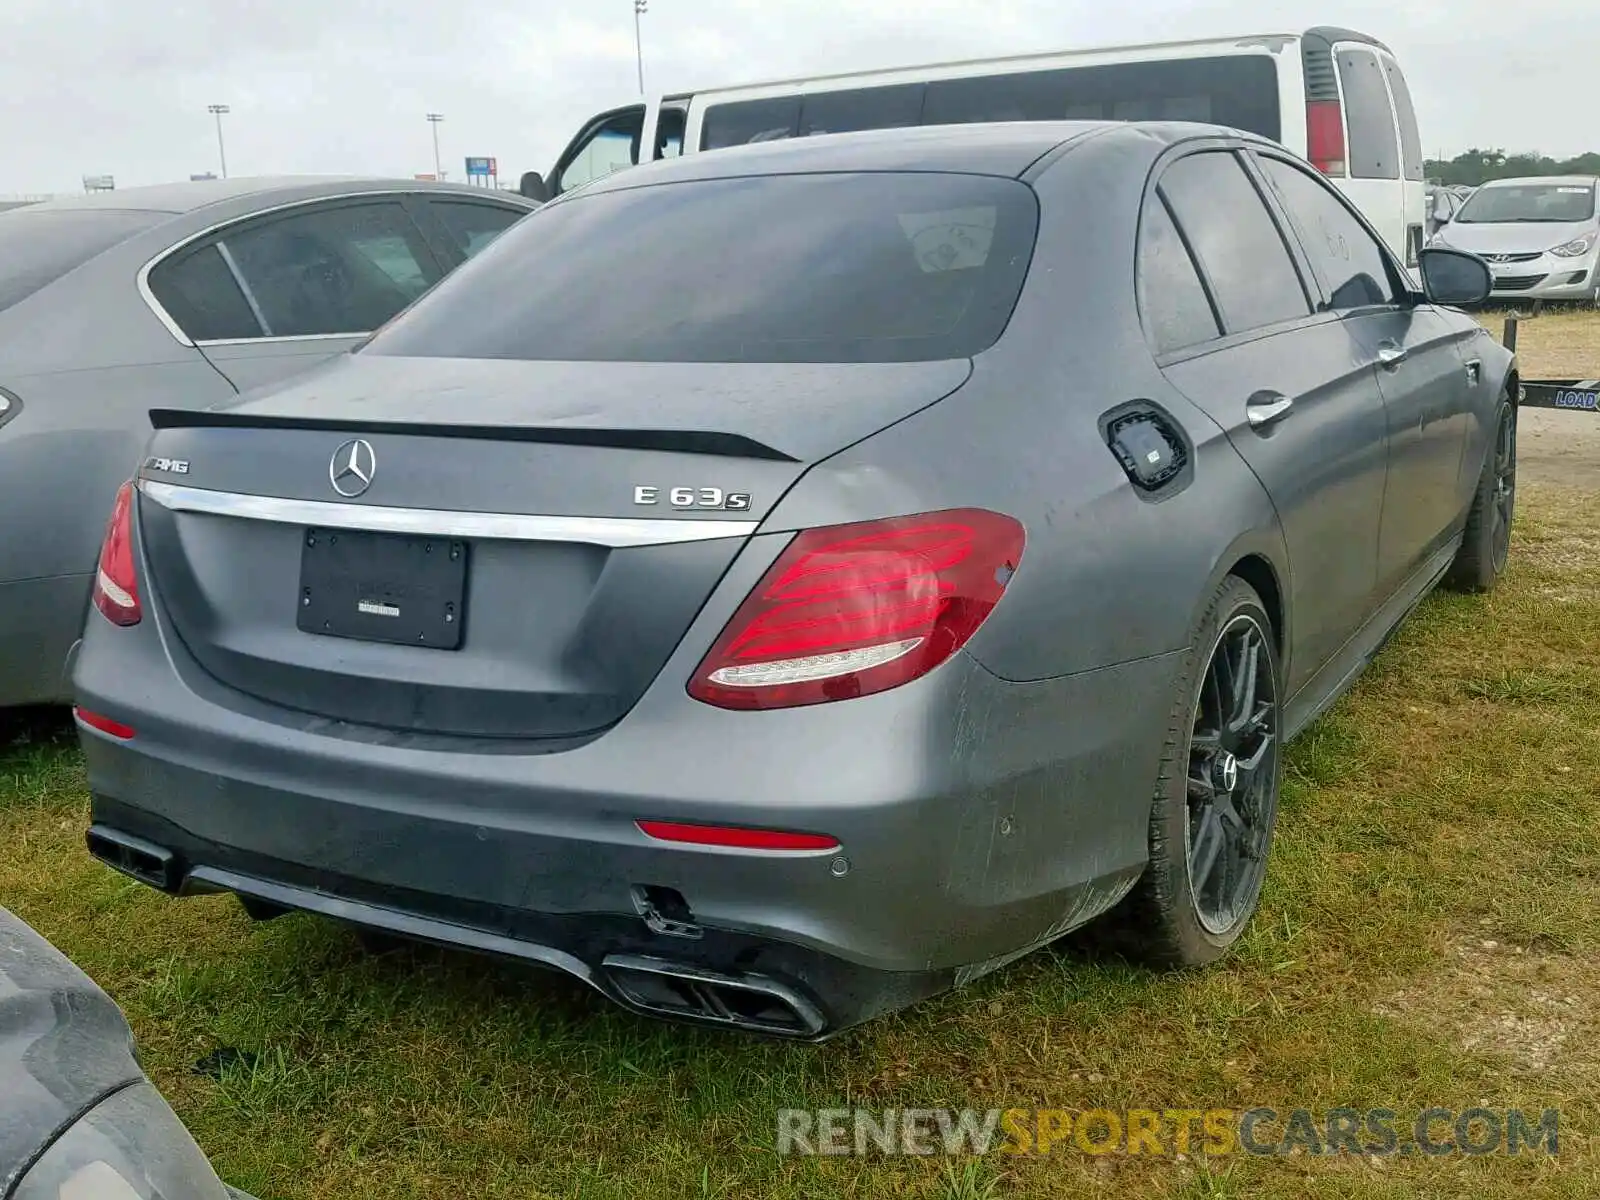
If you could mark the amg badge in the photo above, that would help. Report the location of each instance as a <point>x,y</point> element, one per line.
<point>685,497</point>
<point>172,466</point>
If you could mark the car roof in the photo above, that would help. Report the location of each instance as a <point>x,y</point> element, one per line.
<point>179,198</point>
<point>1004,148</point>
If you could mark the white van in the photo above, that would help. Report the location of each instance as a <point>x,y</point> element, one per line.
<point>1335,97</point>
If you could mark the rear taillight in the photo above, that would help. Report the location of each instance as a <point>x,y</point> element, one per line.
<point>1325,137</point>
<point>849,610</point>
<point>116,585</point>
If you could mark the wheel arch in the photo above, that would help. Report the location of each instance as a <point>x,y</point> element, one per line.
<point>1257,570</point>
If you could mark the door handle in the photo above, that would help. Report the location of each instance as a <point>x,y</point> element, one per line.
<point>1266,408</point>
<point>1392,354</point>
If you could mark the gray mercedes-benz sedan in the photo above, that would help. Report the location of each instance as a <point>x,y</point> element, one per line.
<point>776,585</point>
<point>179,295</point>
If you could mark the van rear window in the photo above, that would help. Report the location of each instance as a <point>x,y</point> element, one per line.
<point>857,267</point>
<point>1374,151</point>
<point>1237,90</point>
<point>39,246</point>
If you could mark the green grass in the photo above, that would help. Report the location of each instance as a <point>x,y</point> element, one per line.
<point>1427,937</point>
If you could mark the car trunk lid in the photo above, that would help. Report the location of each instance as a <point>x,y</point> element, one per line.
<point>501,549</point>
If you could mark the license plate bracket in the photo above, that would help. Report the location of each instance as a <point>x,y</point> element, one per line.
<point>382,587</point>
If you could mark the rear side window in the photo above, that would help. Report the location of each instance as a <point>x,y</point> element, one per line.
<point>1238,90</point>
<point>1410,136</point>
<point>1373,152</point>
<point>1348,258</point>
<point>1177,311</point>
<point>39,246</point>
<point>473,226</point>
<point>199,292</point>
<point>896,107</point>
<point>1236,241</point>
<point>805,268</point>
<point>747,121</point>
<point>328,270</point>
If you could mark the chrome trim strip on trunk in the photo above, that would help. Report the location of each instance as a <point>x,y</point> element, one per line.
<point>615,532</point>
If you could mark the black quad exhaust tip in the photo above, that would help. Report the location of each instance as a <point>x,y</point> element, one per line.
<point>145,861</point>
<point>753,1003</point>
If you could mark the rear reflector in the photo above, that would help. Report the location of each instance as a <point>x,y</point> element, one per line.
<point>104,724</point>
<point>744,839</point>
<point>116,583</point>
<point>1325,137</point>
<point>849,610</point>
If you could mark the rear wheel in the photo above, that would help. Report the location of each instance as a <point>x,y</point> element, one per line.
<point>1486,544</point>
<point>1216,799</point>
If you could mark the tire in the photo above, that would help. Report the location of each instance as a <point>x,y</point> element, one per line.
<point>1486,544</point>
<point>1169,919</point>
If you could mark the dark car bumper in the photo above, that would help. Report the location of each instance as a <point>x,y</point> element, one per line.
<point>975,818</point>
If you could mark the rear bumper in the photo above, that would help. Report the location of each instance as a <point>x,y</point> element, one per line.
<point>976,818</point>
<point>40,619</point>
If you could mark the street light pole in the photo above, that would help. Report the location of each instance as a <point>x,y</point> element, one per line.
<point>438,168</point>
<point>217,111</point>
<point>640,7</point>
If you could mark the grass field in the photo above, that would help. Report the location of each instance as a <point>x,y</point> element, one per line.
<point>1558,344</point>
<point>1427,938</point>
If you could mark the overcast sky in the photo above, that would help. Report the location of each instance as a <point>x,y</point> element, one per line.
<point>120,87</point>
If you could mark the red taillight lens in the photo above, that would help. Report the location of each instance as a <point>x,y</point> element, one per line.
<point>734,836</point>
<point>116,585</point>
<point>103,723</point>
<point>1325,137</point>
<point>849,610</point>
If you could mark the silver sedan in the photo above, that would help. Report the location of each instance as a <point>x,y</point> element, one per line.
<point>176,296</point>
<point>1540,236</point>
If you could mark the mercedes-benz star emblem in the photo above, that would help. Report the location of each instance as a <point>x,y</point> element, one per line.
<point>352,468</point>
<point>1227,772</point>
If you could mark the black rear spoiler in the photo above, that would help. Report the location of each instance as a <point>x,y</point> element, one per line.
<point>673,441</point>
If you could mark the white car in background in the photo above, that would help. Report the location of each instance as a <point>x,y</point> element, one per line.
<point>1541,236</point>
<point>1335,97</point>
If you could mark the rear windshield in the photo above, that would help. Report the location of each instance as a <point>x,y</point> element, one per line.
<point>800,268</point>
<point>1237,90</point>
<point>37,247</point>
<point>1533,203</point>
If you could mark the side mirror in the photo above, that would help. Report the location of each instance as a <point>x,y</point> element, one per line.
<point>1454,277</point>
<point>534,187</point>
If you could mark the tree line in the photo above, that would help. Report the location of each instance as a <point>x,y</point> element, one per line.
<point>1475,166</point>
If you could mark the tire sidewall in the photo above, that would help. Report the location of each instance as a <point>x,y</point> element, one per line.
<point>1233,599</point>
<point>1504,410</point>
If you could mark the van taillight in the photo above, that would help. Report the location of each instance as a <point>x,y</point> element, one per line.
<point>849,610</point>
<point>116,584</point>
<point>1325,137</point>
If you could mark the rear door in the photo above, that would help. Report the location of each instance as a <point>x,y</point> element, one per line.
<point>1421,369</point>
<point>1413,184</point>
<point>268,297</point>
<point>1373,146</point>
<point>1301,410</point>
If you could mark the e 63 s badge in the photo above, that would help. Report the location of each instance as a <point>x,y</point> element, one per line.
<point>694,498</point>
